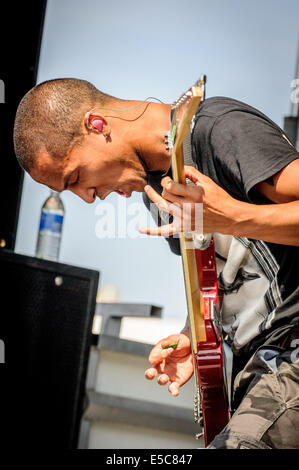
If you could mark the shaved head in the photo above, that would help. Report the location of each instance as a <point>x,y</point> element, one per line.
<point>49,118</point>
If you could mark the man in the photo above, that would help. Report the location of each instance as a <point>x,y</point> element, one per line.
<point>68,135</point>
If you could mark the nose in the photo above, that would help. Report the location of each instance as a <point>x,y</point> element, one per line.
<point>88,195</point>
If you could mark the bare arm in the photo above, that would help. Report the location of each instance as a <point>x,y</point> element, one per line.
<point>276,223</point>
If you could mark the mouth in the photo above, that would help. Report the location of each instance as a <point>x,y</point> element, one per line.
<point>118,191</point>
<point>123,193</point>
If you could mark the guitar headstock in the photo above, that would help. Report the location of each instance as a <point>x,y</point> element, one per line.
<point>198,89</point>
<point>183,111</point>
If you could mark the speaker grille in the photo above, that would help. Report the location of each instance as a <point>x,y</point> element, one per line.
<point>46,328</point>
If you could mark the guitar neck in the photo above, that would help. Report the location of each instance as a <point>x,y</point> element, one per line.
<point>183,116</point>
<point>194,297</point>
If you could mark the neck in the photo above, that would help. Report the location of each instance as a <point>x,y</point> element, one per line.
<point>150,142</point>
<point>144,128</point>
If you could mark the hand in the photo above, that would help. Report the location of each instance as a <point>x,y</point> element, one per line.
<point>174,365</point>
<point>204,207</point>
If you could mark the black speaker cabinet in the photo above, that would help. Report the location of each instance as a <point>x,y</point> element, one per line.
<point>20,41</point>
<point>46,317</point>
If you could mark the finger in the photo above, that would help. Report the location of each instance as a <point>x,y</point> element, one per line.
<point>151,373</point>
<point>194,175</point>
<point>153,195</point>
<point>161,202</point>
<point>171,197</point>
<point>165,343</point>
<point>176,189</point>
<point>163,379</point>
<point>158,354</point>
<point>170,185</point>
<point>164,231</point>
<point>167,206</point>
<point>176,203</point>
<point>174,389</point>
<point>178,193</point>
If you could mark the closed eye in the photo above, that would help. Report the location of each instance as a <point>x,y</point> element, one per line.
<point>77,179</point>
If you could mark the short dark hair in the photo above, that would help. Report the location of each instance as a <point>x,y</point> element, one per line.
<point>50,117</point>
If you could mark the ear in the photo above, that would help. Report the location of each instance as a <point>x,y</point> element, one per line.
<point>97,123</point>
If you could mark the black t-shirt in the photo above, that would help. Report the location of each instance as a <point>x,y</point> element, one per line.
<point>237,147</point>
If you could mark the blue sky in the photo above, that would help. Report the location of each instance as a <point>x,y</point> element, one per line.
<point>136,49</point>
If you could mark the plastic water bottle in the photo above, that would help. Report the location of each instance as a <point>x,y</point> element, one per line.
<point>50,228</point>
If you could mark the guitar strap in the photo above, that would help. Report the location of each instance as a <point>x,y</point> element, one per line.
<point>187,151</point>
<point>187,147</point>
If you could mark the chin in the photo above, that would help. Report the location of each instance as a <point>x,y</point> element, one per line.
<point>141,188</point>
<point>139,184</point>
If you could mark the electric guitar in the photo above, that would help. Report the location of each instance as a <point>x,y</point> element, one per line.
<point>211,408</point>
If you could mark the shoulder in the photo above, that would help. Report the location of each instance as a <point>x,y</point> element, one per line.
<point>222,110</point>
<point>217,106</point>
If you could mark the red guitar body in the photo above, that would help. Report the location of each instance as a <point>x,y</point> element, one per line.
<point>200,265</point>
<point>209,360</point>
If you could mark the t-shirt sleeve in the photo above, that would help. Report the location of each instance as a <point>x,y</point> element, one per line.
<point>248,149</point>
